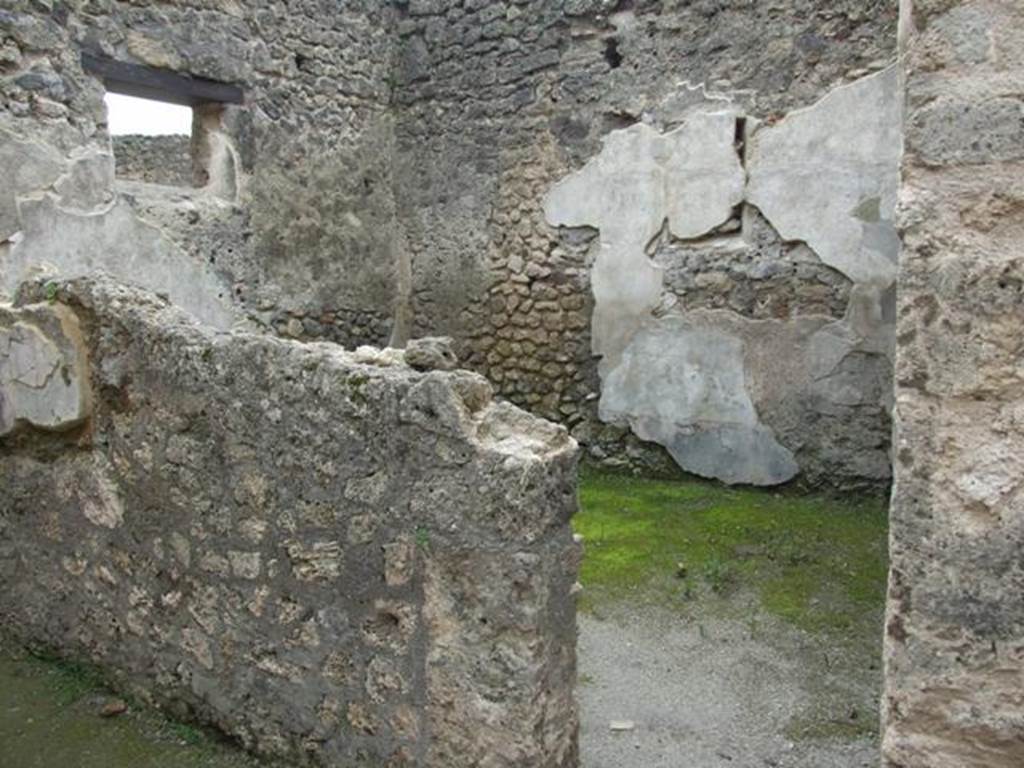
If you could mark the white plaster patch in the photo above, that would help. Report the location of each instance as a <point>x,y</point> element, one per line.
<point>114,241</point>
<point>829,175</point>
<point>685,388</point>
<point>40,378</point>
<point>690,177</point>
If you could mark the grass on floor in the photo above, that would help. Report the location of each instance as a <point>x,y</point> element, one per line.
<point>50,715</point>
<point>815,561</point>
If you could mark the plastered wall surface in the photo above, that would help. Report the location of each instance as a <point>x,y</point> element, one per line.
<point>329,555</point>
<point>682,376</point>
<point>386,177</point>
<point>954,639</point>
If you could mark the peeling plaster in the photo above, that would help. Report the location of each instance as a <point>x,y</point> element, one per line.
<point>27,166</point>
<point>683,385</point>
<point>829,175</point>
<point>697,383</point>
<point>41,380</point>
<point>115,241</point>
<point>690,177</point>
<point>64,215</point>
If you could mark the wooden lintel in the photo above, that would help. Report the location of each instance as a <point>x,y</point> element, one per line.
<point>159,84</point>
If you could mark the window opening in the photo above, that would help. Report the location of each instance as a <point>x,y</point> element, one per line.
<point>166,127</point>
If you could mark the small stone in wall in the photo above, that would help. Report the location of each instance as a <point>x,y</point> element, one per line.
<point>383,680</point>
<point>245,565</point>
<point>319,561</point>
<point>431,354</point>
<point>391,626</point>
<point>387,357</point>
<point>399,561</point>
<point>360,718</point>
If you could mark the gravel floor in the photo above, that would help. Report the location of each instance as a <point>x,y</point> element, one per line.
<point>704,692</point>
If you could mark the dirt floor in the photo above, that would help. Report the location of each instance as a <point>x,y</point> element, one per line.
<point>718,627</point>
<point>713,693</point>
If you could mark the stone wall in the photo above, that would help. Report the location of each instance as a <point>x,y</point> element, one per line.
<point>734,388</point>
<point>955,627</point>
<point>154,159</point>
<point>387,173</point>
<point>498,102</point>
<point>295,234</point>
<point>328,555</point>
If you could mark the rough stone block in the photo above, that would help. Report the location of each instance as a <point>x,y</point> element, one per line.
<point>954,645</point>
<point>431,354</point>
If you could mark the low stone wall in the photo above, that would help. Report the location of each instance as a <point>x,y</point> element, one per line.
<point>955,627</point>
<point>329,555</point>
<point>154,159</point>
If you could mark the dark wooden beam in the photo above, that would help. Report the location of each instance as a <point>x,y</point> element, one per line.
<point>159,84</point>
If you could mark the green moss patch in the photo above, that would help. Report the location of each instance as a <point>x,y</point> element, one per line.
<point>813,560</point>
<point>50,716</point>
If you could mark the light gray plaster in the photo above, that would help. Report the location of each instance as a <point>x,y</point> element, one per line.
<point>89,183</point>
<point>690,177</point>
<point>829,175</point>
<point>27,166</point>
<point>115,241</point>
<point>41,378</point>
<point>684,386</point>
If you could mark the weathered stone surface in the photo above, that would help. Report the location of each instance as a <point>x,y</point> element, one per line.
<point>332,561</point>
<point>154,159</point>
<point>431,354</point>
<point>955,625</point>
<point>274,235</point>
<point>43,377</point>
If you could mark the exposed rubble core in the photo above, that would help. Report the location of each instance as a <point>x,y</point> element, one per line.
<point>331,560</point>
<point>154,159</point>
